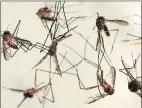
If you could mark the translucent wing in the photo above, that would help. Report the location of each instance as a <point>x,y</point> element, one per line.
<point>57,64</point>
<point>15,90</point>
<point>112,75</point>
<point>6,51</point>
<point>23,42</point>
<point>101,81</point>
<point>120,22</point>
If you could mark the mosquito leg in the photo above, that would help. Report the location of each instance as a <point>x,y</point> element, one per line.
<point>44,43</point>
<point>98,97</point>
<point>16,51</point>
<point>36,46</point>
<point>22,102</point>
<point>35,81</point>
<point>39,99</point>
<point>117,30</point>
<point>45,96</point>
<point>16,27</point>
<point>126,69</point>
<point>80,82</point>
<point>65,19</point>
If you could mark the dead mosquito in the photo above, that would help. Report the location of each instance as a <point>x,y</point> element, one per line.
<point>30,93</point>
<point>134,83</point>
<point>12,41</point>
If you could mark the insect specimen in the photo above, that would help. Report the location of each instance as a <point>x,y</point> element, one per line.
<point>53,47</point>
<point>134,83</point>
<point>11,41</point>
<point>30,93</point>
<point>108,88</point>
<point>101,26</point>
<point>46,14</point>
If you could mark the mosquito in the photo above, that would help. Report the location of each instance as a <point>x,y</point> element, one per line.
<point>11,41</point>
<point>30,93</point>
<point>53,48</point>
<point>46,14</point>
<point>134,83</point>
<point>108,88</point>
<point>101,26</point>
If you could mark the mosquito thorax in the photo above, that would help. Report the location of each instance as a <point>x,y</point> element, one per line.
<point>133,86</point>
<point>29,93</point>
<point>100,22</point>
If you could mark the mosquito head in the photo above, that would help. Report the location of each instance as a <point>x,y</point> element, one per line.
<point>133,86</point>
<point>100,22</point>
<point>100,19</point>
<point>28,93</point>
<point>6,33</point>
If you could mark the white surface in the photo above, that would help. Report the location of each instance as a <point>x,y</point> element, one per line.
<point>17,72</point>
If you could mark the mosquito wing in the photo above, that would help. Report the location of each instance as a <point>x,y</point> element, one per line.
<point>57,64</point>
<point>6,51</point>
<point>23,42</point>
<point>15,90</point>
<point>112,75</point>
<point>101,81</point>
<point>120,22</point>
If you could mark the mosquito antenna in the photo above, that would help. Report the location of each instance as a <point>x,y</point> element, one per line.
<point>7,27</point>
<point>97,14</point>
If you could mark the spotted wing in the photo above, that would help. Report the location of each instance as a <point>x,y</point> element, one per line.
<point>120,22</point>
<point>6,51</point>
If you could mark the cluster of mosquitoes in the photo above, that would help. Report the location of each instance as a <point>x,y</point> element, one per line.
<point>46,15</point>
